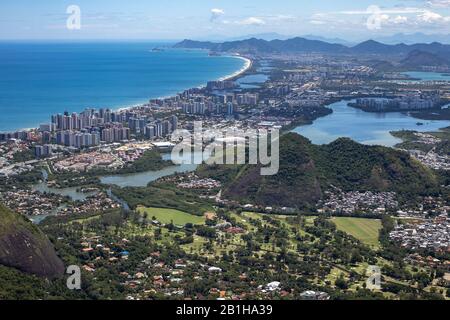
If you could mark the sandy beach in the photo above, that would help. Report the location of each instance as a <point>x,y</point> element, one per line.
<point>248,64</point>
<point>245,68</point>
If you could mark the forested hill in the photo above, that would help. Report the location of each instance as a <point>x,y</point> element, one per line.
<point>307,170</point>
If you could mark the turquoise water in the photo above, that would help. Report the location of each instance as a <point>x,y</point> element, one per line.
<point>428,76</point>
<point>364,127</point>
<point>39,79</point>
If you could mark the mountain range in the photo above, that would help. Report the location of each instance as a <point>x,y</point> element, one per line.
<point>417,37</point>
<point>276,36</point>
<point>303,45</point>
<point>410,38</point>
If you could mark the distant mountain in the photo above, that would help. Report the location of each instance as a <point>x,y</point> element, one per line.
<point>299,45</point>
<point>329,40</point>
<point>415,38</point>
<point>307,170</point>
<point>398,38</point>
<point>374,47</point>
<point>191,44</point>
<point>254,45</point>
<point>419,58</point>
<point>24,247</point>
<point>263,36</point>
<point>304,45</point>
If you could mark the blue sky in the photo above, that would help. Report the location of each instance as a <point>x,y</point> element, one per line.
<point>200,19</point>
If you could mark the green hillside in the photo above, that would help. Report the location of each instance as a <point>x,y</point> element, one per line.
<point>307,170</point>
<point>353,166</point>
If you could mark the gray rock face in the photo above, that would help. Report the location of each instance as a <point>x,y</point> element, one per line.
<point>24,247</point>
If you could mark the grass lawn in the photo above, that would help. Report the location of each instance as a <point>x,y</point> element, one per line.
<point>365,230</point>
<point>165,215</point>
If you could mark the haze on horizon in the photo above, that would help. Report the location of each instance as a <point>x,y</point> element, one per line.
<point>222,19</point>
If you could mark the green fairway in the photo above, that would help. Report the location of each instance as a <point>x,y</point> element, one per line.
<point>365,230</point>
<point>165,215</point>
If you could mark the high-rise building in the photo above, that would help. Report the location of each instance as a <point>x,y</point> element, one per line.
<point>45,127</point>
<point>174,122</point>
<point>46,137</point>
<point>230,108</point>
<point>43,151</point>
<point>150,131</point>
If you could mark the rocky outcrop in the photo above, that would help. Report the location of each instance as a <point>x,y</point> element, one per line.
<point>24,247</point>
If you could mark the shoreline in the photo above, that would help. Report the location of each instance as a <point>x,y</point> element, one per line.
<point>247,66</point>
<point>296,128</point>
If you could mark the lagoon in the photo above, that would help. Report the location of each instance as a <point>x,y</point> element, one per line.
<point>427,76</point>
<point>252,81</point>
<point>142,179</point>
<point>364,127</point>
<point>72,192</point>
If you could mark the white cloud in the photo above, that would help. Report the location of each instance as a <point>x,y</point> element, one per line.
<point>429,16</point>
<point>272,20</point>
<point>317,22</point>
<point>281,17</point>
<point>404,10</point>
<point>384,18</point>
<point>216,13</point>
<point>439,3</point>
<point>252,21</point>
<point>400,20</point>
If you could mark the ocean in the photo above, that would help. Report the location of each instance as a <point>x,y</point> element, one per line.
<point>38,79</point>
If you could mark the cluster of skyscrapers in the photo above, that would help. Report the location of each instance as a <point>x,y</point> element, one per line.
<point>19,135</point>
<point>410,101</point>
<point>225,104</point>
<point>77,139</point>
<point>91,127</point>
<point>153,129</point>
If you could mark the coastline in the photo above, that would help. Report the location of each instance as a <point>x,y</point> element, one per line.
<point>245,68</point>
<point>247,65</point>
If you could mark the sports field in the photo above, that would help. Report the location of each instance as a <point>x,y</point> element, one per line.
<point>365,230</point>
<point>165,215</point>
